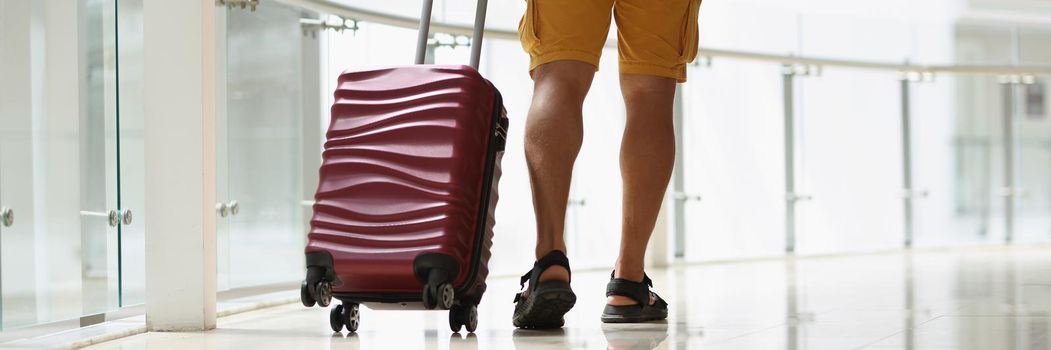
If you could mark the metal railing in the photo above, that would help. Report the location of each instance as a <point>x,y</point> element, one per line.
<point>1019,72</point>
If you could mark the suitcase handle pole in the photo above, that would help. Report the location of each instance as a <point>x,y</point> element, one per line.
<point>476,36</point>
<point>479,28</point>
<point>425,27</point>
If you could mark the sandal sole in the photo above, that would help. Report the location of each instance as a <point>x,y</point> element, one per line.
<point>635,317</point>
<point>545,307</point>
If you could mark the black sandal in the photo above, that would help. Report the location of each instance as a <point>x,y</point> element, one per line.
<point>638,291</point>
<point>545,304</point>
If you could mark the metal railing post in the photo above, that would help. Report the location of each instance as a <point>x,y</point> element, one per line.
<point>1008,134</point>
<point>679,178</point>
<point>906,157</point>
<point>788,90</point>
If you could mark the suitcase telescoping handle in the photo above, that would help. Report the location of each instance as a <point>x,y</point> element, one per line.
<point>476,38</point>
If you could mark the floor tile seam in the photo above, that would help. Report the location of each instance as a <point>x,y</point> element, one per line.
<point>914,327</point>
<point>748,334</point>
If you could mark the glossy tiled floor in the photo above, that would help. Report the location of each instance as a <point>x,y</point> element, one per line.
<point>975,299</point>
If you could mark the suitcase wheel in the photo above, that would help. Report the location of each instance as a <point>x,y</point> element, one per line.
<point>351,317</point>
<point>322,293</point>
<point>305,295</point>
<point>335,318</point>
<point>316,288</point>
<point>346,314</point>
<point>463,315</point>
<point>429,301</point>
<point>441,295</point>
<point>447,296</point>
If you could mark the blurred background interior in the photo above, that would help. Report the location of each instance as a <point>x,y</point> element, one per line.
<point>778,155</point>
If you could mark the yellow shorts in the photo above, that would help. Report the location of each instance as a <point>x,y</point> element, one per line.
<point>654,37</point>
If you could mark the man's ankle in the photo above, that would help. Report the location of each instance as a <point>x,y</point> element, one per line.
<point>630,274</point>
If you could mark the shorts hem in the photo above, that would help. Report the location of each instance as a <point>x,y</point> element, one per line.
<point>562,55</point>
<point>677,72</point>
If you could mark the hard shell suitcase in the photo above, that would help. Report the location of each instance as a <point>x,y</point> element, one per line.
<point>403,214</point>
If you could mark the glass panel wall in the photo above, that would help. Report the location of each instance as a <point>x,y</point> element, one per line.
<point>131,152</point>
<point>849,132</point>
<point>1033,144</point>
<point>951,166</point>
<point>98,159</point>
<point>733,157</point>
<point>260,185</point>
<point>57,161</point>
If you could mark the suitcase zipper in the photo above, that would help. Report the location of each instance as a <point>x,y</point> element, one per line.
<point>500,131</point>
<point>496,144</point>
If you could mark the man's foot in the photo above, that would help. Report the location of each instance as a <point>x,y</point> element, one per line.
<point>548,297</point>
<point>631,301</point>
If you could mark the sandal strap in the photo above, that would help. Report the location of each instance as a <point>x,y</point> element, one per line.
<point>555,257</point>
<point>638,291</point>
<point>659,302</point>
<point>645,278</point>
<point>552,258</point>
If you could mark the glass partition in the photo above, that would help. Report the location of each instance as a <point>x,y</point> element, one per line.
<point>1033,144</point>
<point>132,177</point>
<point>951,165</point>
<point>99,212</point>
<point>733,157</point>
<point>849,151</point>
<point>260,187</point>
<point>57,161</point>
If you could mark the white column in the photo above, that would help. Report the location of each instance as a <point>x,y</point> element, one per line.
<point>179,94</point>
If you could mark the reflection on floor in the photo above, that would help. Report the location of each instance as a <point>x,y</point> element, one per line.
<point>974,299</point>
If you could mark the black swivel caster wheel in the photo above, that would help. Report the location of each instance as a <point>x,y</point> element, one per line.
<point>323,293</point>
<point>463,315</point>
<point>455,319</point>
<point>471,318</point>
<point>446,296</point>
<point>304,295</point>
<point>351,317</point>
<point>429,301</point>
<point>335,318</point>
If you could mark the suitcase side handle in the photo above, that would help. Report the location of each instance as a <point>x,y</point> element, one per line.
<point>476,36</point>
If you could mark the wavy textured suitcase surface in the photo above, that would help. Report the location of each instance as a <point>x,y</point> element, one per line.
<point>402,174</point>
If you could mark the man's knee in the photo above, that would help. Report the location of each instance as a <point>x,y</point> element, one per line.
<point>647,90</point>
<point>563,81</point>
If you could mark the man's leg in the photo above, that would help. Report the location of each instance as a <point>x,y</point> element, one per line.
<point>554,132</point>
<point>647,154</point>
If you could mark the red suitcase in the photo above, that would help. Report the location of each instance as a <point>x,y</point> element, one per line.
<point>403,214</point>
